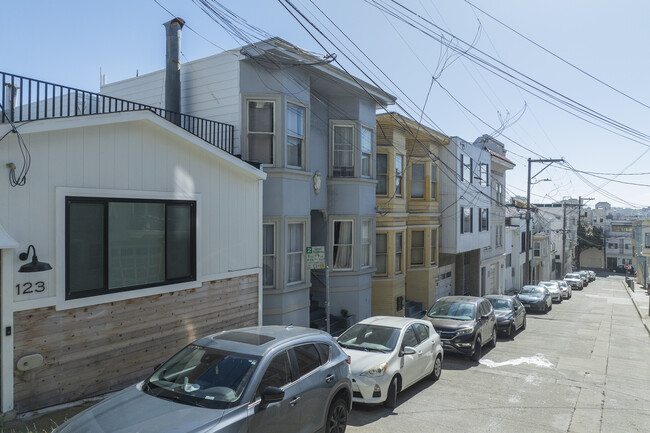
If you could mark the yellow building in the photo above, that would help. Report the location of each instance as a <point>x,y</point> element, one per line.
<point>408,216</point>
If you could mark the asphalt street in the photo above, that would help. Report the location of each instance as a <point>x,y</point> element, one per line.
<point>582,367</point>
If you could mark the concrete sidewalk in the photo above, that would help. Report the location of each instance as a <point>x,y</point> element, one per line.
<point>641,299</point>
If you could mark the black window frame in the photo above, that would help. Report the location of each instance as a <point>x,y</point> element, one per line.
<point>105,202</point>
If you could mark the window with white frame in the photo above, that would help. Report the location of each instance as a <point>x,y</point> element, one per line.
<point>382,174</point>
<point>398,252</point>
<point>295,135</point>
<point>417,181</point>
<point>268,255</point>
<point>399,168</point>
<point>434,246</point>
<point>466,219</point>
<point>417,247</point>
<point>114,245</point>
<point>343,245</point>
<point>366,244</point>
<point>381,251</point>
<point>261,131</point>
<point>295,250</point>
<point>366,152</point>
<point>343,148</point>
<point>537,249</point>
<point>434,181</point>
<point>484,216</point>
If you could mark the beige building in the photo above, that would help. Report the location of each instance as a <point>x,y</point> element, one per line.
<point>408,216</point>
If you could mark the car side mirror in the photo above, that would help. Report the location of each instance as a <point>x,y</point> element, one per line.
<point>407,350</point>
<point>270,395</point>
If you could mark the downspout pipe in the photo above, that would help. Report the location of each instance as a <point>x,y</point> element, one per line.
<point>173,69</point>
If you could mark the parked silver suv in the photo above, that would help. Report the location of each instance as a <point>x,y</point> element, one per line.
<point>260,379</point>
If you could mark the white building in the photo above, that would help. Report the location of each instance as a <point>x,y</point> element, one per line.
<point>152,238</point>
<point>465,220</point>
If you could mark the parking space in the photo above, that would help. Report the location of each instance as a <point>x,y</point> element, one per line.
<point>582,367</point>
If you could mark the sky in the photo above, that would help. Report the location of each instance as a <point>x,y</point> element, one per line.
<point>451,64</point>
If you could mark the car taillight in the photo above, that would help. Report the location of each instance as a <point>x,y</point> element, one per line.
<point>349,359</point>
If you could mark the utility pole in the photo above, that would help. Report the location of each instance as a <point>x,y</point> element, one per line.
<point>563,272</point>
<point>579,216</point>
<point>528,242</point>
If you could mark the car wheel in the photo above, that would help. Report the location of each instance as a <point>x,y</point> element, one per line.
<point>550,307</point>
<point>523,325</point>
<point>437,369</point>
<point>493,341</point>
<point>511,331</point>
<point>337,418</point>
<point>391,396</point>
<point>477,350</point>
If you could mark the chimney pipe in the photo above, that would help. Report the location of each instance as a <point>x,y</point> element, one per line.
<point>173,69</point>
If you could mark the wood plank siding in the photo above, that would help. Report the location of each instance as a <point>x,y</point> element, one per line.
<point>102,348</point>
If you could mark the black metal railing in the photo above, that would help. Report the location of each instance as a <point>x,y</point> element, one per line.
<point>26,99</point>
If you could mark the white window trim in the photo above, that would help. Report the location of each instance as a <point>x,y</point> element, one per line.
<point>275,254</point>
<point>276,122</point>
<point>303,157</point>
<point>355,140</point>
<point>304,223</point>
<point>353,246</point>
<point>373,146</point>
<point>371,243</point>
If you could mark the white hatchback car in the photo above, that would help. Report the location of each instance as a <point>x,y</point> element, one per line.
<point>389,354</point>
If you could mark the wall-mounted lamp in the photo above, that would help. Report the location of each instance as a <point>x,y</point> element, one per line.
<point>35,265</point>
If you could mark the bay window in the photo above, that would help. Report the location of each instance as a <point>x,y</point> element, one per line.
<point>268,255</point>
<point>417,181</point>
<point>366,245</point>
<point>343,245</point>
<point>399,167</point>
<point>295,250</point>
<point>261,131</point>
<point>417,247</point>
<point>343,148</point>
<point>366,152</point>
<point>295,135</point>
<point>382,174</point>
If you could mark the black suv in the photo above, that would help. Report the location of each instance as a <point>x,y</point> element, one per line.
<point>465,324</point>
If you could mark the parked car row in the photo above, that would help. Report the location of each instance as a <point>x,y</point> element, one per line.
<point>293,379</point>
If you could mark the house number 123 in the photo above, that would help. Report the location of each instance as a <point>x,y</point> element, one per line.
<point>27,288</point>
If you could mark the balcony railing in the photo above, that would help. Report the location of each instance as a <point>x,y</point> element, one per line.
<point>25,99</point>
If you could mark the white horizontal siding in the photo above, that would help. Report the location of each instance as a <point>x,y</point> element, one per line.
<point>209,89</point>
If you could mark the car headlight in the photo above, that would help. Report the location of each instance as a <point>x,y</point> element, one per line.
<point>465,331</point>
<point>377,370</point>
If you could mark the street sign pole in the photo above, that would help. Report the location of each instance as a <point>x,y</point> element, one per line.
<point>327,297</point>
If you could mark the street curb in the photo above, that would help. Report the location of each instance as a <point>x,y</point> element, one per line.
<point>638,310</point>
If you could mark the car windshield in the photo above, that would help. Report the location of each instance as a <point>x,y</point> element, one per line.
<point>370,337</point>
<point>202,376</point>
<point>531,290</point>
<point>561,283</point>
<point>573,276</point>
<point>453,310</point>
<point>501,304</point>
<point>551,286</point>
